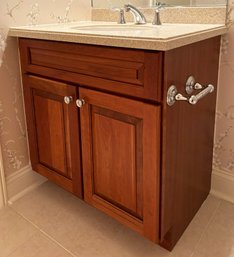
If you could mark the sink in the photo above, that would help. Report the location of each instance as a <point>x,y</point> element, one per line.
<point>114,27</point>
<point>131,30</point>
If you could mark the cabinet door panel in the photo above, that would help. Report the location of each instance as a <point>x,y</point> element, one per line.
<point>53,132</point>
<point>115,135</point>
<point>120,150</point>
<point>50,132</point>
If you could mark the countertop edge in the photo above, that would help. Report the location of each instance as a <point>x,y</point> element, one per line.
<point>136,43</point>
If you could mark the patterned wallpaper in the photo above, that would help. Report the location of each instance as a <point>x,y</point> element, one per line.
<point>224,138</point>
<point>16,13</point>
<point>12,124</point>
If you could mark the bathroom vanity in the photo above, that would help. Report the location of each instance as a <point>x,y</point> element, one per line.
<point>113,122</point>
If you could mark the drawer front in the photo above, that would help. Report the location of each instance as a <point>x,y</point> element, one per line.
<point>125,71</point>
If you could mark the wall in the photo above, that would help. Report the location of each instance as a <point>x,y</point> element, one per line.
<point>223,175</point>
<point>12,123</point>
<point>224,141</point>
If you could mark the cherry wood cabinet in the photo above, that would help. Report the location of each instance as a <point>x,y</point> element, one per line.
<point>53,131</point>
<point>125,151</point>
<point>121,166</point>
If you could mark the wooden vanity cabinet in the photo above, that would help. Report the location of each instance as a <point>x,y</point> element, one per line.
<point>145,163</point>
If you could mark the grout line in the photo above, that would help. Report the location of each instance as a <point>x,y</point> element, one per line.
<point>44,233</point>
<point>205,229</point>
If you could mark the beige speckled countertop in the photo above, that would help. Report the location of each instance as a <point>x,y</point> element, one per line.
<point>165,37</point>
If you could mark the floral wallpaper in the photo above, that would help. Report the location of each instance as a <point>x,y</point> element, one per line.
<point>12,122</point>
<point>224,138</point>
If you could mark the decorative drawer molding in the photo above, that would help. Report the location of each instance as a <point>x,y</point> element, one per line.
<point>222,185</point>
<point>22,182</point>
<point>129,72</point>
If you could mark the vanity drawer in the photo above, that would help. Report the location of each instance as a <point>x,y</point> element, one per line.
<point>125,71</point>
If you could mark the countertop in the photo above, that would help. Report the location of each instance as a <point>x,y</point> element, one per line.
<point>148,37</point>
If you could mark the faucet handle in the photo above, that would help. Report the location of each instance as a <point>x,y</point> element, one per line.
<point>121,14</point>
<point>157,20</point>
<point>158,6</point>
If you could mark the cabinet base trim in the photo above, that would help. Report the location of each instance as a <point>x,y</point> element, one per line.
<point>223,185</point>
<point>21,182</point>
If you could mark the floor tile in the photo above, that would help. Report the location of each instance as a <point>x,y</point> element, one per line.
<point>14,231</point>
<point>80,228</point>
<point>39,246</point>
<point>87,232</point>
<point>192,235</point>
<point>218,239</point>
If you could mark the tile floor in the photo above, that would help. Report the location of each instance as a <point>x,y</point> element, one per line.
<point>50,222</point>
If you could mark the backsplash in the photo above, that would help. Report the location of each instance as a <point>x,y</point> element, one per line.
<point>147,3</point>
<point>12,122</point>
<point>201,15</point>
<point>15,13</point>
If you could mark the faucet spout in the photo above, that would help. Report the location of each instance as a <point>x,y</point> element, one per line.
<point>139,17</point>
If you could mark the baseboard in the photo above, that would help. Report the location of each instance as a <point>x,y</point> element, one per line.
<point>22,182</point>
<point>3,192</point>
<point>222,185</point>
<point>25,180</point>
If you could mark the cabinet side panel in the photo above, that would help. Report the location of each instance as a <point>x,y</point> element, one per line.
<point>188,132</point>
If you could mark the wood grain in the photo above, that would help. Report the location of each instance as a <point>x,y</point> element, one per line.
<point>144,163</point>
<point>53,132</point>
<point>124,71</point>
<point>188,133</point>
<point>119,163</point>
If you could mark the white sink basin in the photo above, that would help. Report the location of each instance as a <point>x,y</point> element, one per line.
<point>114,27</point>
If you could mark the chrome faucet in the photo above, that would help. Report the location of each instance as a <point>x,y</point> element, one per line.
<point>121,19</point>
<point>139,18</point>
<point>157,20</point>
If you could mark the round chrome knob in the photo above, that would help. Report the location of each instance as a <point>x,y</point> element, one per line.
<point>68,99</point>
<point>80,102</point>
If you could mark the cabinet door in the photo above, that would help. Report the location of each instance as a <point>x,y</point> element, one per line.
<point>53,131</point>
<point>120,150</point>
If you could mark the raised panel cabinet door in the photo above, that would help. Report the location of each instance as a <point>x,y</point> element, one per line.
<point>120,154</point>
<point>53,131</point>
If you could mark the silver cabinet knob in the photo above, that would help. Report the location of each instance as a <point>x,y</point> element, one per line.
<point>80,102</point>
<point>68,99</point>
